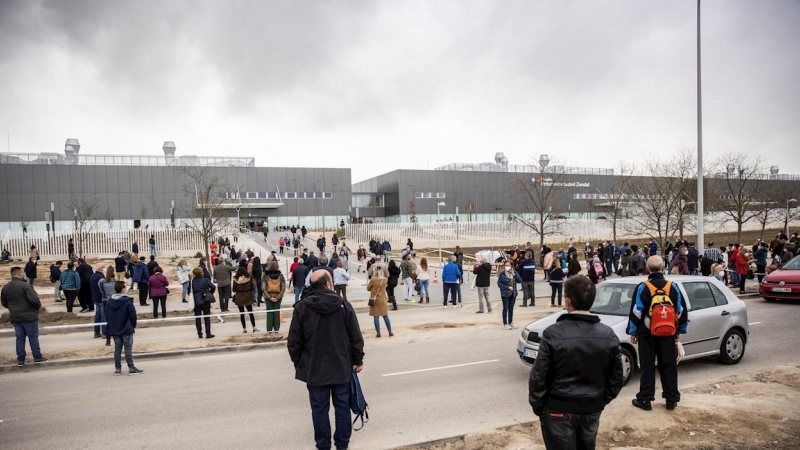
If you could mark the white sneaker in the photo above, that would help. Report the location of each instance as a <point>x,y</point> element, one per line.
<point>444,307</point>
<point>455,306</point>
<point>513,327</point>
<point>506,327</point>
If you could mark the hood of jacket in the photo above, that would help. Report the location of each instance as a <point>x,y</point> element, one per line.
<point>118,301</point>
<point>242,280</point>
<point>274,274</point>
<point>325,302</point>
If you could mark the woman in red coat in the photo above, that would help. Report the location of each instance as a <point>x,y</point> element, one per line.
<point>742,263</point>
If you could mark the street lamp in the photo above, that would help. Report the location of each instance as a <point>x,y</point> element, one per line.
<point>786,225</point>
<point>322,201</point>
<point>475,208</point>
<point>297,200</point>
<point>438,217</point>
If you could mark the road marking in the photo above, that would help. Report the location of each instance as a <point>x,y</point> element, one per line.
<point>441,368</point>
<point>754,323</point>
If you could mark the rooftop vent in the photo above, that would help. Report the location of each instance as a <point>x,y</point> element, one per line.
<point>169,148</point>
<point>72,144</point>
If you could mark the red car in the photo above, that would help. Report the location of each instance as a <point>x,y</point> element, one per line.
<point>782,284</point>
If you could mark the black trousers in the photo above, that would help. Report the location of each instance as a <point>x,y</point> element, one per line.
<point>252,317</point>
<point>568,431</point>
<point>661,349</point>
<point>156,301</point>
<point>85,296</point>
<point>143,291</point>
<point>203,309</point>
<point>70,294</point>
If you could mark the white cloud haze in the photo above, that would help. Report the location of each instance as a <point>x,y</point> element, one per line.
<point>381,85</point>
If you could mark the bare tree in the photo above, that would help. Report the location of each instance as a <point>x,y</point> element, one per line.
<point>616,195</point>
<point>659,197</point>
<point>205,192</point>
<point>108,218</point>
<point>87,212</point>
<point>540,196</point>
<point>738,180</point>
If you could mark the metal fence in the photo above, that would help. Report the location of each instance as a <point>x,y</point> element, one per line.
<point>109,242</point>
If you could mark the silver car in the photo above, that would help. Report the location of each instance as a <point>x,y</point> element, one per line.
<point>717,320</point>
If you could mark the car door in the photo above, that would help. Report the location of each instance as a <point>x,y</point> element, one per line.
<point>706,319</point>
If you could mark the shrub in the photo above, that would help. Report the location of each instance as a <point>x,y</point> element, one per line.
<point>198,255</point>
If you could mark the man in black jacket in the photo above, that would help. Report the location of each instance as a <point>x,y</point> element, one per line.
<point>652,348</point>
<point>577,372</point>
<point>483,273</point>
<point>55,278</point>
<point>85,292</point>
<point>326,345</point>
<point>23,307</point>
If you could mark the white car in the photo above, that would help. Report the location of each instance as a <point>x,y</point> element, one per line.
<point>717,320</point>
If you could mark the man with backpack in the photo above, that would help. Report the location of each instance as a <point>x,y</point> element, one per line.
<point>658,317</point>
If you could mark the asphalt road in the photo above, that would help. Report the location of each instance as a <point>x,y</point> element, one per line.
<point>250,400</point>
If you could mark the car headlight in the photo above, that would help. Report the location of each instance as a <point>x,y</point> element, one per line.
<point>525,333</point>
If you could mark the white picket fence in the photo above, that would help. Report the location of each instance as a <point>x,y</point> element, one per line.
<point>107,242</point>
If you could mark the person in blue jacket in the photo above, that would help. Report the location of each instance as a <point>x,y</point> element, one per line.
<point>507,282</point>
<point>141,276</point>
<point>121,316</point>
<point>451,273</point>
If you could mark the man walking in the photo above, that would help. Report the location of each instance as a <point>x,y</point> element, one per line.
<point>408,283</point>
<point>30,270</point>
<point>577,372</point>
<point>97,298</point>
<point>141,276</point>
<point>653,348</point>
<point>450,276</point>
<point>23,307</point>
<point>121,326</point>
<point>119,266</point>
<point>326,346</point>
<point>85,292</point>
<point>55,277</point>
<point>527,271</point>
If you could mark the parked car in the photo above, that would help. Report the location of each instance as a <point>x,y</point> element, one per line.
<point>717,321</point>
<point>783,284</point>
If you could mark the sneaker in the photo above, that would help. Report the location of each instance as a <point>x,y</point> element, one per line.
<point>490,311</point>
<point>83,310</point>
<point>20,363</point>
<point>671,405</point>
<point>411,300</point>
<point>523,306</point>
<point>40,360</point>
<point>506,327</point>
<point>256,330</point>
<point>455,306</point>
<point>445,306</point>
<point>478,312</point>
<point>221,320</point>
<point>118,372</point>
<point>209,336</point>
<point>642,404</point>
<point>513,327</point>
<point>135,371</point>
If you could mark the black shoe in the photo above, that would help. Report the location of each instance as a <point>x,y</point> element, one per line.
<point>200,335</point>
<point>184,301</point>
<point>83,310</point>
<point>209,336</point>
<point>145,304</point>
<point>523,306</point>
<point>642,404</point>
<point>671,405</point>
<point>40,360</point>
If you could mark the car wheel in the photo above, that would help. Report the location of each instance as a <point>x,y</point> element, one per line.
<point>627,365</point>
<point>732,348</point>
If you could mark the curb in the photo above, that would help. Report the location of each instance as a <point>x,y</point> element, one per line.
<point>146,356</point>
<point>463,437</point>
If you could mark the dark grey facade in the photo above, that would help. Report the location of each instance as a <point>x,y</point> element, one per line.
<point>491,196</point>
<point>146,194</point>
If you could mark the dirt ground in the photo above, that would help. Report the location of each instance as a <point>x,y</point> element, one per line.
<point>759,410</point>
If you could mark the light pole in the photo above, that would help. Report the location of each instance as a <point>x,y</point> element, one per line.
<point>476,203</point>
<point>297,200</point>
<point>322,201</point>
<point>439,219</point>
<point>701,244</point>
<point>786,225</point>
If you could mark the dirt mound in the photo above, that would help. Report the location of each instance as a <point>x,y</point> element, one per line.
<point>441,325</point>
<point>253,339</point>
<point>749,411</point>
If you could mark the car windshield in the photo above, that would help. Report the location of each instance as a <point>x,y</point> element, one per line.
<point>613,299</point>
<point>793,264</point>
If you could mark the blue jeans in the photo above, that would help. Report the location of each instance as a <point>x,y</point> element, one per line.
<point>378,324</point>
<point>508,309</point>
<point>297,291</point>
<point>31,331</point>
<point>423,291</point>
<point>31,280</point>
<point>119,341</point>
<point>449,288</point>
<point>99,316</point>
<point>184,290</point>
<point>152,249</point>
<point>320,398</point>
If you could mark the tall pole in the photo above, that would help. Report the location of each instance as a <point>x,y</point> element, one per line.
<point>322,185</point>
<point>700,203</point>
<point>439,220</point>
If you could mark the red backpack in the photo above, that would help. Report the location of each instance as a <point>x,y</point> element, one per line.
<point>663,317</point>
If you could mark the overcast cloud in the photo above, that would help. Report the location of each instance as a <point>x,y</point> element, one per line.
<point>381,85</point>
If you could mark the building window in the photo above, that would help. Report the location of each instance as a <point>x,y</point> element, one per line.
<point>290,195</point>
<point>440,195</point>
<point>251,195</point>
<point>327,195</point>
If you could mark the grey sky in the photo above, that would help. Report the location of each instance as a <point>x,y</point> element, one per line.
<point>382,85</point>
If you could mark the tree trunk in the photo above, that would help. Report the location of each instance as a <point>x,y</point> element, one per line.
<point>739,232</point>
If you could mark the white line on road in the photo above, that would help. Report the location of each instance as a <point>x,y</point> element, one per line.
<point>441,368</point>
<point>754,323</point>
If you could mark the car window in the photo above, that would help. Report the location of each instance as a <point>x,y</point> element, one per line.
<point>699,295</point>
<point>719,297</point>
<point>613,299</point>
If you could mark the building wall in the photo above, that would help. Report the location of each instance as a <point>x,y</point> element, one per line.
<point>27,190</point>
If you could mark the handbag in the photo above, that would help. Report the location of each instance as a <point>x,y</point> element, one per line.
<point>371,302</point>
<point>209,297</point>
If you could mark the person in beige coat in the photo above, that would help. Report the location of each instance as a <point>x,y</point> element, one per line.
<point>243,296</point>
<point>377,292</point>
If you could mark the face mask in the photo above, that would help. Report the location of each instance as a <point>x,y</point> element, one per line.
<point>508,269</point>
